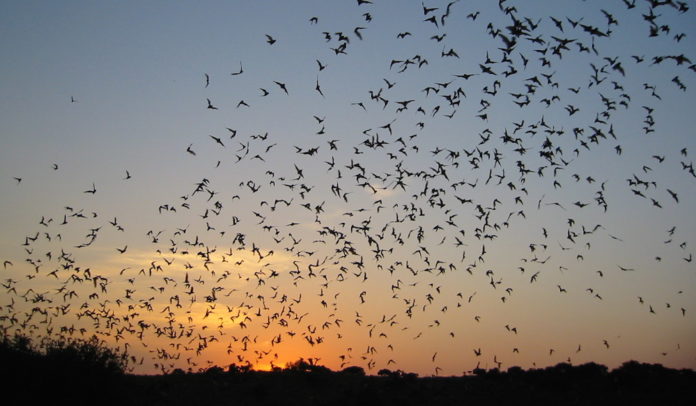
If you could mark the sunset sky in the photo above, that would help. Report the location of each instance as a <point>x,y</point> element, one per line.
<point>259,181</point>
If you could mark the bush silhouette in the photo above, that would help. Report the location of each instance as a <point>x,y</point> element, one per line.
<point>306,367</point>
<point>354,370</point>
<point>86,356</point>
<point>60,356</point>
<point>77,371</point>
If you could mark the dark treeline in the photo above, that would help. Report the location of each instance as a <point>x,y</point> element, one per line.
<point>88,372</point>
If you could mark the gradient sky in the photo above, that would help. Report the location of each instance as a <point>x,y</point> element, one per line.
<point>378,275</point>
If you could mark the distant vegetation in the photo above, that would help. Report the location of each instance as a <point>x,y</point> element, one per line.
<point>88,372</point>
<point>78,356</point>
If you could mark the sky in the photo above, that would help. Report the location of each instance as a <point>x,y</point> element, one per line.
<point>428,187</point>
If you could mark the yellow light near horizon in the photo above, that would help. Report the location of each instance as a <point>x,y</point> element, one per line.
<point>267,367</point>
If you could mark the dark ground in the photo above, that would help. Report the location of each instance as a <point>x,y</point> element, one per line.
<point>89,374</point>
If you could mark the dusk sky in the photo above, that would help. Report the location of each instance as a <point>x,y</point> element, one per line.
<point>428,187</point>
